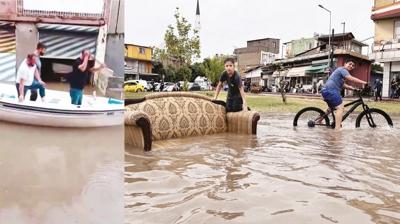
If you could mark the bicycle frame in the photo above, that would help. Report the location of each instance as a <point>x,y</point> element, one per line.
<point>354,104</point>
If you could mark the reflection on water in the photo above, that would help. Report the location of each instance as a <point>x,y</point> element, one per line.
<point>284,175</point>
<point>63,176</point>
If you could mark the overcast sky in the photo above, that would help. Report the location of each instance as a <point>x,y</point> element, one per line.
<point>227,24</point>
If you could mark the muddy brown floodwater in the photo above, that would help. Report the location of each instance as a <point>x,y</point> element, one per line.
<point>282,175</point>
<point>63,176</point>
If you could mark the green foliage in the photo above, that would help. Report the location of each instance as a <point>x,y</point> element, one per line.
<point>185,86</point>
<point>213,68</point>
<point>170,74</point>
<point>183,73</point>
<point>158,68</point>
<point>376,68</point>
<point>182,43</point>
<point>198,69</point>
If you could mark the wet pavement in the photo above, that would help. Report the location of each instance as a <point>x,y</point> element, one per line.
<point>63,176</point>
<point>282,175</point>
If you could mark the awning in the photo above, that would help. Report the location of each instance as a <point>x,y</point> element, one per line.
<point>317,69</point>
<point>297,71</point>
<point>66,41</point>
<point>68,28</point>
<point>279,73</point>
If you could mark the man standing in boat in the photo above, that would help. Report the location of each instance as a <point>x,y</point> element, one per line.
<point>82,67</point>
<point>40,50</point>
<point>28,78</point>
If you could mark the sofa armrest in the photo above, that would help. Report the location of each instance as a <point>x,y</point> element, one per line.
<point>243,122</point>
<point>138,129</point>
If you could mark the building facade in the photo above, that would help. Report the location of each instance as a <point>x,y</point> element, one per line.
<point>295,47</point>
<point>138,61</point>
<point>258,52</point>
<point>386,48</point>
<point>66,34</point>
<point>310,67</point>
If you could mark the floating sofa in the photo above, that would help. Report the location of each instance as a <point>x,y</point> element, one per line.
<point>162,116</point>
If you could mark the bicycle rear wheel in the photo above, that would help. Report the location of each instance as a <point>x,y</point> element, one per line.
<point>380,119</point>
<point>310,117</point>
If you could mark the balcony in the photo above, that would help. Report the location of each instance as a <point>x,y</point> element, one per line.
<point>387,11</point>
<point>386,51</point>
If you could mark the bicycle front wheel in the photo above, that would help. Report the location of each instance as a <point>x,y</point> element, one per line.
<point>379,119</point>
<point>310,117</point>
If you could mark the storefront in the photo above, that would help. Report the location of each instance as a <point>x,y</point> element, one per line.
<point>7,52</point>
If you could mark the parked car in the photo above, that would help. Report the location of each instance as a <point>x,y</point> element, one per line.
<point>133,86</point>
<point>225,88</point>
<point>169,87</point>
<point>144,84</point>
<point>195,87</point>
<point>203,83</point>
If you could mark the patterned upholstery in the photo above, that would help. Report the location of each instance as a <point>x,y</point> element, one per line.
<point>177,115</point>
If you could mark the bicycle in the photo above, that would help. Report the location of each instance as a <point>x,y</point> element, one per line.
<point>316,117</point>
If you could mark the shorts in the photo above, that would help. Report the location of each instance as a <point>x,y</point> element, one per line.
<point>331,97</point>
<point>234,104</point>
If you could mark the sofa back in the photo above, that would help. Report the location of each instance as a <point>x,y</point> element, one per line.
<point>179,114</point>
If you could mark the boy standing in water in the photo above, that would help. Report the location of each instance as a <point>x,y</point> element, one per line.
<point>236,100</point>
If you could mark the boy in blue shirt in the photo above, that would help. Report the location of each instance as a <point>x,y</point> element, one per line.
<point>332,88</point>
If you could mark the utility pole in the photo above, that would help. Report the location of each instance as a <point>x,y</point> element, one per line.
<point>329,34</point>
<point>344,27</point>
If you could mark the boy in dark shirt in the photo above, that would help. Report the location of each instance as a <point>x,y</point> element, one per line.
<point>236,100</point>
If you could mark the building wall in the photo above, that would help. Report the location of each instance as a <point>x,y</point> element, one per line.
<point>384,30</point>
<point>362,70</point>
<point>298,46</point>
<point>133,52</point>
<point>114,57</point>
<point>26,40</point>
<point>13,10</point>
<point>143,67</point>
<point>383,3</point>
<point>8,7</point>
<point>246,60</point>
<point>270,45</point>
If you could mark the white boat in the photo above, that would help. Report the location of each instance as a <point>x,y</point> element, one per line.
<point>57,110</point>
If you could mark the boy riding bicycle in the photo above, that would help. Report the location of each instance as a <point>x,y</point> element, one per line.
<point>333,87</point>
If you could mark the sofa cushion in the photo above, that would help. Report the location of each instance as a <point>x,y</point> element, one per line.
<point>174,116</point>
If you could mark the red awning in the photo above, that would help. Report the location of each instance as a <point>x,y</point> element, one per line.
<point>386,15</point>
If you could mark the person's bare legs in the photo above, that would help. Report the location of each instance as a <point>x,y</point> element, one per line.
<point>339,116</point>
<point>319,120</point>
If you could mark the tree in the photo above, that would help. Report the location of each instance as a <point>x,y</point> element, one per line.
<point>182,44</point>
<point>184,73</point>
<point>283,84</point>
<point>198,69</point>
<point>376,68</point>
<point>213,68</point>
<point>170,74</point>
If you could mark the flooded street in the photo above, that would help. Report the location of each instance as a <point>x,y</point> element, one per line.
<point>63,176</point>
<point>282,175</point>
